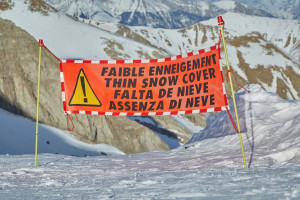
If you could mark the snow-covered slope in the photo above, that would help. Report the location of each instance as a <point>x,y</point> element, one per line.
<point>69,39</point>
<point>289,9</point>
<point>270,127</point>
<point>18,137</point>
<point>151,13</point>
<point>261,50</point>
<point>209,168</point>
<point>235,6</point>
<point>282,33</point>
<point>255,45</point>
<point>270,130</point>
<point>253,42</point>
<point>84,9</point>
<point>285,34</point>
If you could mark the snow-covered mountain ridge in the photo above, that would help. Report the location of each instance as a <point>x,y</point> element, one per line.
<point>151,13</point>
<point>253,43</point>
<point>288,9</point>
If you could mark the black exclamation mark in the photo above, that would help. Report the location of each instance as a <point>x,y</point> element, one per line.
<point>83,88</point>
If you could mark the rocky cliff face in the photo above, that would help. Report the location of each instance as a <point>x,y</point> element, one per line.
<point>18,93</point>
<point>6,5</point>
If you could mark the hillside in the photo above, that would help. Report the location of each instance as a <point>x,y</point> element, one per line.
<point>261,48</point>
<point>21,139</point>
<point>19,61</point>
<point>259,53</point>
<point>196,156</point>
<point>207,168</point>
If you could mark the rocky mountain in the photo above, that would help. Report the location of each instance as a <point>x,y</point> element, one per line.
<point>152,13</point>
<point>287,9</point>
<point>19,61</point>
<point>261,50</point>
<point>258,48</point>
<point>19,78</point>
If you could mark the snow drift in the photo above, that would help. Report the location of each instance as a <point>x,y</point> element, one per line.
<point>270,127</point>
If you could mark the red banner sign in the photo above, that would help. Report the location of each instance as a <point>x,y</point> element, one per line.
<point>183,84</point>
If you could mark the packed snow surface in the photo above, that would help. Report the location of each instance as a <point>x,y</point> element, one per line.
<point>144,176</point>
<point>209,167</point>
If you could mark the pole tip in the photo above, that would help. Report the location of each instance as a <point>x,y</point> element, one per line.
<point>41,43</point>
<point>220,20</point>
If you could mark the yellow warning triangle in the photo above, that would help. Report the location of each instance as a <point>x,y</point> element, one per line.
<point>83,94</point>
